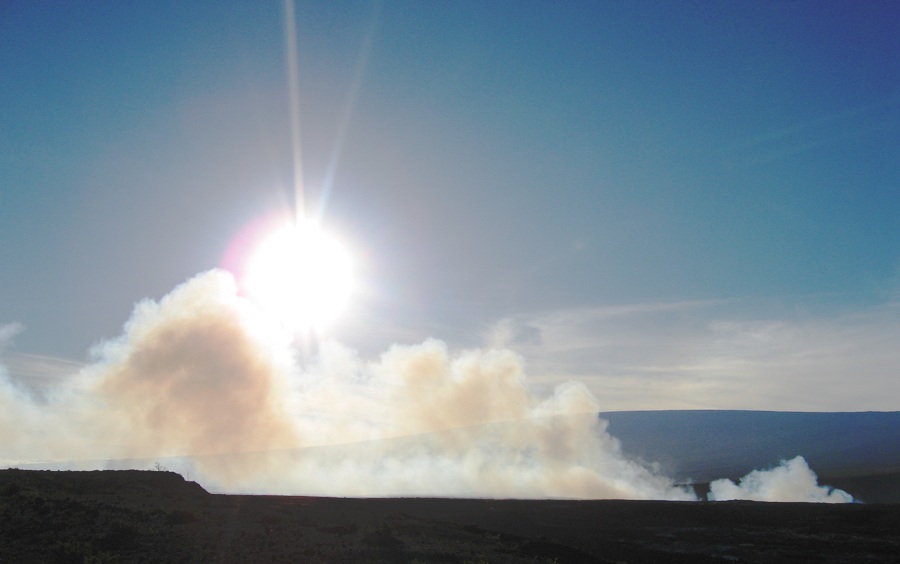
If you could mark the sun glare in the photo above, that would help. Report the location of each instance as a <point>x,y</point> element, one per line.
<point>302,275</point>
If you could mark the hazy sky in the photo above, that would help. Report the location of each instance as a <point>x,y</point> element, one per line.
<point>681,204</point>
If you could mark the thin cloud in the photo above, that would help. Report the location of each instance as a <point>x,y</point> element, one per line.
<point>709,356</point>
<point>38,373</point>
<point>816,133</point>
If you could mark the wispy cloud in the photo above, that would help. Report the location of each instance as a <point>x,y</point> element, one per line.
<point>816,133</point>
<point>38,373</point>
<point>709,355</point>
<point>34,374</point>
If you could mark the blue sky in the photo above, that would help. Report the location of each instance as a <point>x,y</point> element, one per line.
<point>681,204</point>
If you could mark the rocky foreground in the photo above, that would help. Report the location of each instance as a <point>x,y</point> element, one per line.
<point>148,516</point>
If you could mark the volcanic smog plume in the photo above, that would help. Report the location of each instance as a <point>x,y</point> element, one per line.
<point>204,381</point>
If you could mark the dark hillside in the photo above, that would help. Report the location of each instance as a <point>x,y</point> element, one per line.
<point>706,445</point>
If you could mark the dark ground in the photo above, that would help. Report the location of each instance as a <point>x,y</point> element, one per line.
<point>147,516</point>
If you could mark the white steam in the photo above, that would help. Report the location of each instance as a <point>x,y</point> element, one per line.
<point>7,332</point>
<point>792,480</point>
<point>207,382</point>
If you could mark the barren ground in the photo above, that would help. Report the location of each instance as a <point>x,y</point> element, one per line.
<point>147,516</point>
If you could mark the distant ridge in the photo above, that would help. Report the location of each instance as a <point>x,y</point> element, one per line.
<point>703,445</point>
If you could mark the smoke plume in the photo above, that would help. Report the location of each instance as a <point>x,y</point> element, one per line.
<point>205,382</point>
<point>792,480</point>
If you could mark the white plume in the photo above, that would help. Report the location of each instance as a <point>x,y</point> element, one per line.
<point>206,381</point>
<point>792,480</point>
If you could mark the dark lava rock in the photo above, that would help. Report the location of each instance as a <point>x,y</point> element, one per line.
<point>157,517</point>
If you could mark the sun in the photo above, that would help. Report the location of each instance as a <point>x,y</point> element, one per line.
<point>302,275</point>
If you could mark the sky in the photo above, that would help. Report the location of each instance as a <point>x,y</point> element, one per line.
<point>681,205</point>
